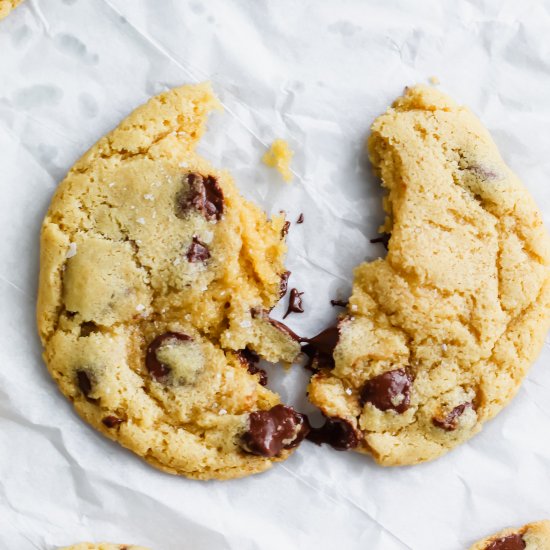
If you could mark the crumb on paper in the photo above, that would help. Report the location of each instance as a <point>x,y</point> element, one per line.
<point>434,81</point>
<point>279,157</point>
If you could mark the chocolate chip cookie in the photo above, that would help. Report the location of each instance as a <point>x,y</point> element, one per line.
<point>156,283</point>
<point>6,6</point>
<point>102,546</point>
<point>533,536</point>
<point>439,334</point>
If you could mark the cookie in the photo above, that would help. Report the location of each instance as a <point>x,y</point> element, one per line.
<point>6,6</point>
<point>439,334</point>
<point>533,536</point>
<point>156,283</point>
<point>102,546</point>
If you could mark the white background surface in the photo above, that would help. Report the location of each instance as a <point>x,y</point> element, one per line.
<point>316,73</point>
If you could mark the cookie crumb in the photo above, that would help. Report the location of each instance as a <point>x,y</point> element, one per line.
<point>434,81</point>
<point>71,251</point>
<point>279,157</point>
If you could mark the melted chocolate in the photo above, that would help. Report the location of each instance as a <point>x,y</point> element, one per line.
<point>284,230</point>
<point>300,218</point>
<point>283,328</point>
<point>320,348</point>
<point>283,285</point>
<point>510,542</point>
<point>339,303</point>
<point>450,422</point>
<point>198,251</point>
<point>295,304</point>
<point>271,431</point>
<point>112,421</point>
<point>388,391</point>
<point>250,359</point>
<point>384,239</point>
<point>160,371</point>
<point>336,432</point>
<point>84,382</point>
<point>204,195</point>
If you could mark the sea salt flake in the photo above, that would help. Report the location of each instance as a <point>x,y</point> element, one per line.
<point>349,391</point>
<point>141,221</point>
<point>177,261</point>
<point>149,197</point>
<point>71,251</point>
<point>183,164</point>
<point>245,324</point>
<point>444,347</point>
<point>140,307</point>
<point>221,412</point>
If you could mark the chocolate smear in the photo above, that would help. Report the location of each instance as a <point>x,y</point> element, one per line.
<point>450,422</point>
<point>250,360</point>
<point>384,239</point>
<point>510,542</point>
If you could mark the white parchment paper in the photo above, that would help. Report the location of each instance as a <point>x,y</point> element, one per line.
<point>315,73</point>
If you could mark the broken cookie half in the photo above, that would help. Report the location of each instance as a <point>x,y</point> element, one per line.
<point>156,283</point>
<point>439,334</point>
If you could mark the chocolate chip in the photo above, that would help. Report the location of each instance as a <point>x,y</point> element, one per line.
<point>84,382</point>
<point>384,239</point>
<point>271,431</point>
<point>250,359</point>
<point>198,251</point>
<point>88,328</point>
<point>450,422</point>
<point>336,432</point>
<point>284,230</point>
<point>300,218</point>
<point>112,421</point>
<point>295,304</point>
<point>339,303</point>
<point>388,391</point>
<point>203,194</point>
<point>283,285</point>
<point>160,371</point>
<point>510,542</point>
<point>320,348</point>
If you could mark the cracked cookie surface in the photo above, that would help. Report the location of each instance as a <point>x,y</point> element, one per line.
<point>439,334</point>
<point>156,280</point>
<point>533,536</point>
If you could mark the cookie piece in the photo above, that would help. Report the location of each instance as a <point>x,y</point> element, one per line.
<point>439,334</point>
<point>102,546</point>
<point>533,536</point>
<point>7,5</point>
<point>279,156</point>
<point>156,277</point>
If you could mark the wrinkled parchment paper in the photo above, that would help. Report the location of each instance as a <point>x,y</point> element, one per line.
<point>315,73</point>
